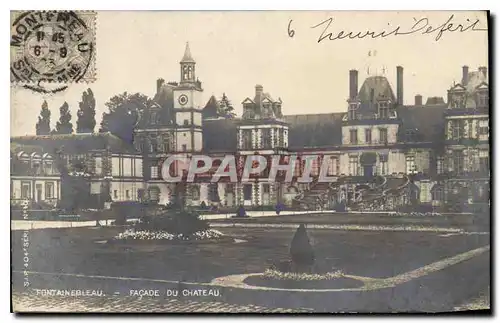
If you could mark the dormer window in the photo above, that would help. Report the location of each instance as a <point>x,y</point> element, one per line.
<point>153,117</point>
<point>458,101</point>
<point>483,100</point>
<point>383,110</point>
<point>352,111</point>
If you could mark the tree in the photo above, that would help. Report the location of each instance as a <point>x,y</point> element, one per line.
<point>64,125</point>
<point>301,250</point>
<point>43,124</point>
<point>86,113</point>
<point>226,109</point>
<point>124,113</point>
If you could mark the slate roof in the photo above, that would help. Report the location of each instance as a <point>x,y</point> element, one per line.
<point>427,122</point>
<point>211,108</point>
<point>381,89</point>
<point>76,143</point>
<point>314,130</point>
<point>219,135</point>
<point>187,58</point>
<point>164,97</point>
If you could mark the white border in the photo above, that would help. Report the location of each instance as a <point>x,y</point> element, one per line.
<point>191,5</point>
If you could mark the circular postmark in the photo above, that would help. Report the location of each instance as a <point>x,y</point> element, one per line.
<point>50,47</point>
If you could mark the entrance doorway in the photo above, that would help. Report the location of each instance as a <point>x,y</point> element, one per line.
<point>38,192</point>
<point>368,170</point>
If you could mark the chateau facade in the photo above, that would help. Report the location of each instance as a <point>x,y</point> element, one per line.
<point>382,152</point>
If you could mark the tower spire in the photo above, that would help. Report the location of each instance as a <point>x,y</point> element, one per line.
<point>187,58</point>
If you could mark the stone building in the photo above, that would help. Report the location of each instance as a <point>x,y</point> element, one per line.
<point>382,152</point>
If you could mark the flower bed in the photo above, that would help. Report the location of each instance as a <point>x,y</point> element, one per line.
<point>414,214</point>
<point>130,234</point>
<point>276,274</point>
<point>294,282</point>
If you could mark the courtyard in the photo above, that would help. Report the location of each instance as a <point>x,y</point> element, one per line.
<point>420,270</point>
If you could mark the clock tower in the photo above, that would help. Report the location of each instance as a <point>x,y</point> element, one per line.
<point>188,107</point>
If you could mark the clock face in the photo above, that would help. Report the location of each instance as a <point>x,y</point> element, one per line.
<point>183,99</point>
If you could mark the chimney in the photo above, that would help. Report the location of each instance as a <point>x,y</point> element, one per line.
<point>418,100</point>
<point>484,70</point>
<point>465,75</point>
<point>353,84</point>
<point>258,90</point>
<point>399,85</point>
<point>159,84</point>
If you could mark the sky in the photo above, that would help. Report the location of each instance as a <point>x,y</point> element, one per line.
<point>234,51</point>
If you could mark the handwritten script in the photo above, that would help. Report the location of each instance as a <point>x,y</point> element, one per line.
<point>420,26</point>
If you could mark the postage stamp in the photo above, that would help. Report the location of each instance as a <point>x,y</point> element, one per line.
<point>52,47</point>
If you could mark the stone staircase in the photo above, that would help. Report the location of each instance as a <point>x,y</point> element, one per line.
<point>377,198</point>
<point>315,197</point>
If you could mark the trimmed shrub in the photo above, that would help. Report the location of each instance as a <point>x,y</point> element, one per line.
<point>301,251</point>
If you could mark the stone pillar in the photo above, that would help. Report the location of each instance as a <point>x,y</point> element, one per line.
<point>204,193</point>
<point>240,138</point>
<point>256,192</point>
<point>221,189</point>
<point>273,141</point>
<point>255,143</point>
<point>239,193</point>
<point>273,190</point>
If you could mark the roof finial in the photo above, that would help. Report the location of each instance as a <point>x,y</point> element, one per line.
<point>187,58</point>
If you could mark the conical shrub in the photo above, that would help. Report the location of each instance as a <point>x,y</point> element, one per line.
<point>301,251</point>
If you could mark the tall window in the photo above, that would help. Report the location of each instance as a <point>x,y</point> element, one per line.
<point>154,146</point>
<point>484,161</point>
<point>184,147</point>
<point>98,165</point>
<point>383,164</point>
<point>332,167</point>
<point>353,136</point>
<point>383,110</point>
<point>25,190</point>
<point>353,165</point>
<point>247,191</point>
<point>458,161</point>
<point>281,136</point>
<point>153,116</point>
<point>440,165</point>
<point>456,129</point>
<point>351,115</point>
<point>246,139</point>
<point>411,167</point>
<point>368,136</point>
<point>383,135</point>
<point>154,170</point>
<point>266,138</point>
<point>437,193</point>
<point>49,190</point>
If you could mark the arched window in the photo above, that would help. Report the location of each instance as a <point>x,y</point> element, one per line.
<point>36,162</point>
<point>48,164</point>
